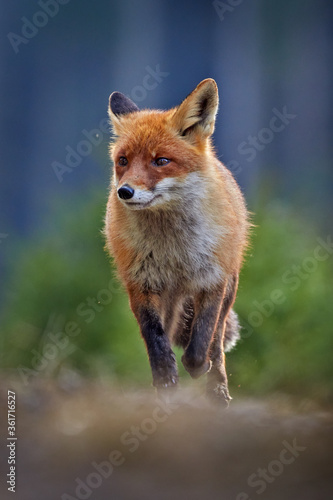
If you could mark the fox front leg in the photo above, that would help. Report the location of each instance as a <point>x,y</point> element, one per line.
<point>162,359</point>
<point>207,309</point>
<point>225,336</point>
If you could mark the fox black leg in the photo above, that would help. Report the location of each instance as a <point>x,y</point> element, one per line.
<point>195,358</point>
<point>184,332</point>
<point>162,359</point>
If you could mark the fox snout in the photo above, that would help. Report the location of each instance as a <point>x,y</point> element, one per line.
<point>125,192</point>
<point>136,198</point>
<point>167,191</point>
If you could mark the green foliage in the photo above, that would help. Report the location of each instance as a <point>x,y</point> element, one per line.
<point>285,310</point>
<point>65,278</point>
<point>62,283</point>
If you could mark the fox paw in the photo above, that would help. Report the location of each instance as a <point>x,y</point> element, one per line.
<point>165,381</point>
<point>219,394</point>
<point>194,367</point>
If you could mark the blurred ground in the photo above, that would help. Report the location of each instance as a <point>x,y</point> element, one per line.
<point>82,439</point>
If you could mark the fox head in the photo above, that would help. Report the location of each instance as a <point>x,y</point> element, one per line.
<point>157,154</point>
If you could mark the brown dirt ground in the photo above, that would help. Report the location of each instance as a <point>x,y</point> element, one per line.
<point>186,450</point>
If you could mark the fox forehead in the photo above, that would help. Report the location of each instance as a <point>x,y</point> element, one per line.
<point>145,132</point>
<point>145,140</point>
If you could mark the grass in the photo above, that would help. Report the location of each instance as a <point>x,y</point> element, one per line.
<point>64,278</point>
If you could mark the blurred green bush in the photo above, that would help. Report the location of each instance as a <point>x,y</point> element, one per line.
<point>66,309</point>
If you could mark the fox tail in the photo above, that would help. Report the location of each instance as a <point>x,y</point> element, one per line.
<point>231,335</point>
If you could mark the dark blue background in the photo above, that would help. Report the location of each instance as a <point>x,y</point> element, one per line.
<point>263,55</point>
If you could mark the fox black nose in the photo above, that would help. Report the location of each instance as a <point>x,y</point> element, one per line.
<point>125,192</point>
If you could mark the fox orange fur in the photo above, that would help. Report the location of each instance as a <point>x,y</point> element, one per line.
<point>177,227</point>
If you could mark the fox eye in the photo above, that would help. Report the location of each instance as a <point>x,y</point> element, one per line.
<point>122,161</point>
<point>160,162</point>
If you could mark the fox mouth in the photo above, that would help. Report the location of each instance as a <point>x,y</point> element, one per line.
<point>142,204</point>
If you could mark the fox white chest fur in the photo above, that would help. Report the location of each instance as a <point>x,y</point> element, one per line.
<point>175,246</point>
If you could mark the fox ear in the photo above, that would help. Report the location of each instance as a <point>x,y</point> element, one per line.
<point>196,114</point>
<point>121,105</point>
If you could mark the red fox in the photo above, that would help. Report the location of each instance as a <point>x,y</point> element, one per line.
<point>177,227</point>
